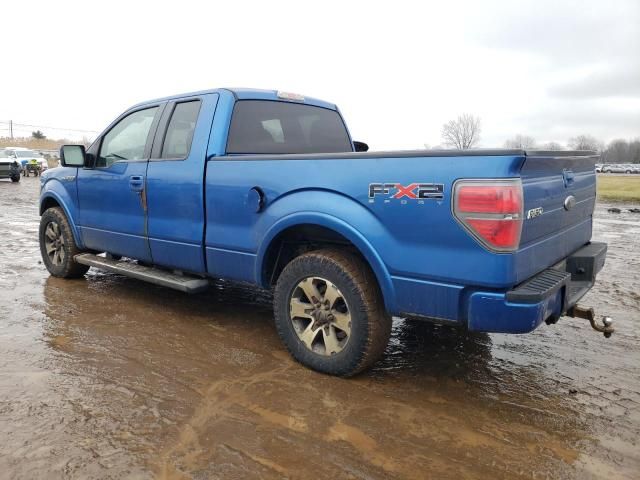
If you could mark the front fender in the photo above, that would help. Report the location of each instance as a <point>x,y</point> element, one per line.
<point>361,224</point>
<point>54,190</point>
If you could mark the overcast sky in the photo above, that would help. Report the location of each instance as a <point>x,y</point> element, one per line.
<point>398,70</point>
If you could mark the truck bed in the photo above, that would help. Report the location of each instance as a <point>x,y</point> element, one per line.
<point>430,261</point>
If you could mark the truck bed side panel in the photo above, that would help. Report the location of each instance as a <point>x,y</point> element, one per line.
<point>418,240</point>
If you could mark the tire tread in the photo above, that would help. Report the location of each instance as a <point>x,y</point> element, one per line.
<point>71,269</point>
<point>364,285</point>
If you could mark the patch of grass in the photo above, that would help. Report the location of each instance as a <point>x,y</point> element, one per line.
<point>621,188</point>
<point>29,142</point>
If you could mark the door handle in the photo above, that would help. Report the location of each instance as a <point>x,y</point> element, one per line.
<point>568,177</point>
<point>136,182</point>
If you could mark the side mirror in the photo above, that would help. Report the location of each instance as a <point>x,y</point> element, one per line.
<point>360,146</point>
<point>72,155</point>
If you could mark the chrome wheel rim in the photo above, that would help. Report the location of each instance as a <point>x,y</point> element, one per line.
<point>320,316</point>
<point>54,243</point>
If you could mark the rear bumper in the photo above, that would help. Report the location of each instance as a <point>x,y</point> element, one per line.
<point>544,297</point>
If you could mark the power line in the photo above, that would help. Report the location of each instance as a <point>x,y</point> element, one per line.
<point>9,123</point>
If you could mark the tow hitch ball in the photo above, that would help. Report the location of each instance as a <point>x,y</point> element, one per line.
<point>588,314</point>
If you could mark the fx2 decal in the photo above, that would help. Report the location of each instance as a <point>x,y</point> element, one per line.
<point>414,191</point>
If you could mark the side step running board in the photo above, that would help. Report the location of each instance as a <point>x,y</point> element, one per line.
<point>184,283</point>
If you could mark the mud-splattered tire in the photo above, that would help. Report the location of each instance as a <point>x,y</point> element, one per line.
<point>344,338</point>
<point>57,245</point>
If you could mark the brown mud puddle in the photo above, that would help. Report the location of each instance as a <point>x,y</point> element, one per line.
<point>107,377</point>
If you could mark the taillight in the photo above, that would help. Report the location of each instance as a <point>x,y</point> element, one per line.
<point>491,210</point>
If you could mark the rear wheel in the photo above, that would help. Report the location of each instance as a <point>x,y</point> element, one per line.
<point>15,178</point>
<point>330,314</point>
<point>57,245</point>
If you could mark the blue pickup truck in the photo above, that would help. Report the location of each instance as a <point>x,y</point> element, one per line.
<point>269,188</point>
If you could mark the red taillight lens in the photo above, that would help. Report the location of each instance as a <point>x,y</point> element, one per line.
<point>504,234</point>
<point>491,210</point>
<point>489,199</point>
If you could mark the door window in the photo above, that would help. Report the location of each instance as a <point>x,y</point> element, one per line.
<point>177,141</point>
<point>127,139</point>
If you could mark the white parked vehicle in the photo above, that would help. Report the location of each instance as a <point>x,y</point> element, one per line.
<point>9,167</point>
<point>24,155</point>
<point>617,168</point>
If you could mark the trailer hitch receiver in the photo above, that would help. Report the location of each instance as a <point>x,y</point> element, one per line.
<point>606,328</point>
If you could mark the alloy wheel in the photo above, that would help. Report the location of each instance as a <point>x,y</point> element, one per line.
<point>320,316</point>
<point>54,243</point>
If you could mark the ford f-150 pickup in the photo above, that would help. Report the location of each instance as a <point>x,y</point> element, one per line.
<point>269,188</point>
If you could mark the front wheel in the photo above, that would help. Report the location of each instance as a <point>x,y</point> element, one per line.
<point>15,178</point>
<point>58,247</point>
<point>330,314</point>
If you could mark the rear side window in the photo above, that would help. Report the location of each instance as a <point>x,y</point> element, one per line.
<point>177,141</point>
<point>263,126</point>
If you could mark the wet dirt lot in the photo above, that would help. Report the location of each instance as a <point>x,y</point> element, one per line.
<point>108,377</point>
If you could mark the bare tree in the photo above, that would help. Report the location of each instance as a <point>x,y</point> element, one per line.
<point>634,151</point>
<point>520,141</point>
<point>621,151</point>
<point>618,151</point>
<point>553,146</point>
<point>584,142</point>
<point>462,133</point>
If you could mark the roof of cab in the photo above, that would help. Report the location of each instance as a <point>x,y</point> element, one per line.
<point>245,94</point>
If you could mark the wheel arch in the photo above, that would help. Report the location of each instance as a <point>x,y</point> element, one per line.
<point>319,229</point>
<point>51,199</point>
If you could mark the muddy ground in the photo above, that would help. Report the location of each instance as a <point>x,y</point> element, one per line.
<point>108,377</point>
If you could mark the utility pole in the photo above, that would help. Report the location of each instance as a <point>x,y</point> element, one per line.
<point>11,129</point>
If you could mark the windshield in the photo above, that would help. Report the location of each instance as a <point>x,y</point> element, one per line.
<point>261,126</point>
<point>27,154</point>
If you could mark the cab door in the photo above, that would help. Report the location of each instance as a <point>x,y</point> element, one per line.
<point>175,183</point>
<point>112,193</point>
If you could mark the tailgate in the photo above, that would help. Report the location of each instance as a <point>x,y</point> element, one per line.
<point>559,197</point>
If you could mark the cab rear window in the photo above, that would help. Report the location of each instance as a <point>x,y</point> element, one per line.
<point>271,127</point>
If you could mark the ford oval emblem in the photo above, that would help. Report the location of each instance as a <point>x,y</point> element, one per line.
<point>569,202</point>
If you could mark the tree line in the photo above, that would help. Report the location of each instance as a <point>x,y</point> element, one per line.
<point>464,133</point>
